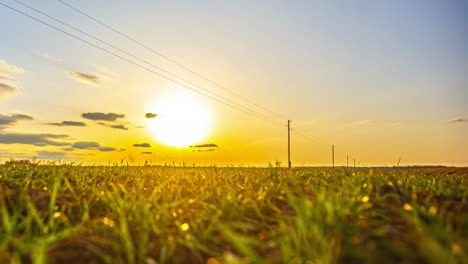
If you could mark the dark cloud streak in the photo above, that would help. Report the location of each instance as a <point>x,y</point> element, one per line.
<point>85,77</point>
<point>205,146</point>
<point>98,116</point>
<point>68,123</point>
<point>151,115</point>
<point>142,145</point>
<point>33,139</point>
<point>6,89</point>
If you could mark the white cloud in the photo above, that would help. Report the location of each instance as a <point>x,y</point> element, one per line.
<point>49,57</point>
<point>10,69</point>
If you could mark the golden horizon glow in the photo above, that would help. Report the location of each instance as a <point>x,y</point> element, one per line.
<point>181,120</point>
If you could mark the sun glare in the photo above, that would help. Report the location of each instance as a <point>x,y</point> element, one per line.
<point>181,121</point>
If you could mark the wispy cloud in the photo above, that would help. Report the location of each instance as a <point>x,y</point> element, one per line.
<point>10,69</point>
<point>8,84</point>
<point>7,79</point>
<point>45,154</point>
<point>458,120</point>
<point>115,126</point>
<point>107,149</point>
<point>363,122</point>
<point>122,127</point>
<point>9,120</point>
<point>147,152</point>
<point>7,89</point>
<point>142,145</point>
<point>85,78</point>
<point>85,145</point>
<point>92,146</point>
<point>49,57</point>
<point>68,123</point>
<point>205,146</point>
<point>98,116</point>
<point>34,139</point>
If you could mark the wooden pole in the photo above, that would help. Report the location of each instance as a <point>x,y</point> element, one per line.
<point>333,156</point>
<point>289,143</point>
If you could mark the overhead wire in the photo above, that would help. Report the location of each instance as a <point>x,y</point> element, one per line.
<point>137,64</point>
<point>169,59</point>
<point>140,59</point>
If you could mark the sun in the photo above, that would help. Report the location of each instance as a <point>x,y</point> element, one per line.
<point>181,121</point>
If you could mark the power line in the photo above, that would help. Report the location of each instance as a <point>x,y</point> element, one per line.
<point>140,59</point>
<point>228,103</point>
<point>169,59</point>
<point>136,64</point>
<point>304,135</point>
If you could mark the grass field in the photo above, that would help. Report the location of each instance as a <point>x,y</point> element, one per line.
<point>72,214</point>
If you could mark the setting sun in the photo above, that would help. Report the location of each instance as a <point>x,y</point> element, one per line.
<point>233,131</point>
<point>181,121</point>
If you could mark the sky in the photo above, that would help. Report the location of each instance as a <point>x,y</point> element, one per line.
<point>379,80</point>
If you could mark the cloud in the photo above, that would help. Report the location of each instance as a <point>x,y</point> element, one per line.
<point>10,120</point>
<point>10,69</point>
<point>363,122</point>
<point>107,149</point>
<point>22,117</point>
<point>85,78</point>
<point>6,89</point>
<point>142,145</point>
<point>68,123</point>
<point>119,127</point>
<point>97,116</point>
<point>91,145</point>
<point>85,145</point>
<point>205,146</point>
<point>33,139</point>
<point>458,120</point>
<point>7,82</point>
<point>115,126</point>
<point>147,152</point>
<point>51,154</point>
<point>151,115</point>
<point>206,150</point>
<point>68,149</point>
<point>8,79</point>
<point>49,57</point>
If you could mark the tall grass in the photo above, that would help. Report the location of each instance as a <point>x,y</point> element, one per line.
<point>121,214</point>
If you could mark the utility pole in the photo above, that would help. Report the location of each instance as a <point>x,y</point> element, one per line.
<point>289,143</point>
<point>354,162</point>
<point>333,156</point>
<point>347,161</point>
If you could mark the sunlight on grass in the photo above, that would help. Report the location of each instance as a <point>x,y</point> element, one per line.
<point>113,214</point>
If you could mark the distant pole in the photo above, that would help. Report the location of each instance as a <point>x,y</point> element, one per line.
<point>333,156</point>
<point>289,143</point>
<point>347,161</point>
<point>354,162</point>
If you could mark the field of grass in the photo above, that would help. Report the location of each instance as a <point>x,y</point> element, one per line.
<point>73,214</point>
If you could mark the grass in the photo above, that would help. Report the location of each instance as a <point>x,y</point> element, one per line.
<point>118,214</point>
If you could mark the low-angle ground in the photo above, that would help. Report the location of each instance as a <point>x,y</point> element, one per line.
<point>149,214</point>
